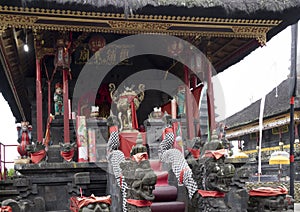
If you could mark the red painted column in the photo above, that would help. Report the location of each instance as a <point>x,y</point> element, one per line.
<point>66,106</point>
<point>188,105</point>
<point>39,102</point>
<point>49,97</point>
<point>193,81</point>
<point>211,104</point>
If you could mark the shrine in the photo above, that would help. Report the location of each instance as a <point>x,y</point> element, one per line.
<point>116,103</point>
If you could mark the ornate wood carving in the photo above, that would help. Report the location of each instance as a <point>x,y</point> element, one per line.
<point>66,20</point>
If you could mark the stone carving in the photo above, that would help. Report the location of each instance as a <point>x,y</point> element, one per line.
<point>37,152</point>
<point>213,176</point>
<point>90,204</point>
<point>67,151</point>
<point>134,176</point>
<point>127,103</point>
<point>238,196</point>
<point>24,138</point>
<point>38,204</point>
<point>141,180</point>
<point>268,199</point>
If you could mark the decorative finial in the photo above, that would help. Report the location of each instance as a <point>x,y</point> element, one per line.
<point>214,136</point>
<point>139,139</point>
<point>139,147</point>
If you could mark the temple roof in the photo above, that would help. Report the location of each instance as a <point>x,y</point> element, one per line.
<point>277,102</point>
<point>230,8</point>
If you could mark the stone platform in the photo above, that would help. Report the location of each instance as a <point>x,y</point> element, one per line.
<point>49,186</point>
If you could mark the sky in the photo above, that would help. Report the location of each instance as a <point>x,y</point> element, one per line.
<point>234,89</point>
<point>254,76</point>
<point>8,131</point>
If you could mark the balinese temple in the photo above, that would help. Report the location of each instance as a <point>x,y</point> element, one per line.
<point>244,125</point>
<point>71,70</point>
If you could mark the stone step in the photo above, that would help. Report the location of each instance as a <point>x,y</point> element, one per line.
<point>8,192</point>
<point>59,211</point>
<point>165,193</point>
<point>168,206</point>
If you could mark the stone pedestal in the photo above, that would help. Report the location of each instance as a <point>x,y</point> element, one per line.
<point>55,183</point>
<point>154,131</point>
<point>53,154</point>
<point>97,139</point>
<point>57,130</point>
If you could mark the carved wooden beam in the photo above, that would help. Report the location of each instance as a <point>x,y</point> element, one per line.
<point>62,20</point>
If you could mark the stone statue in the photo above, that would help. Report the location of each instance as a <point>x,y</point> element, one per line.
<point>134,176</point>
<point>90,204</point>
<point>213,176</point>
<point>67,151</point>
<point>58,99</point>
<point>180,99</point>
<point>37,152</point>
<point>238,196</point>
<point>37,204</point>
<point>127,103</point>
<point>24,137</point>
<point>140,178</point>
<point>268,199</point>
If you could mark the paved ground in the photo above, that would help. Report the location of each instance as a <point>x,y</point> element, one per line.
<point>297,207</point>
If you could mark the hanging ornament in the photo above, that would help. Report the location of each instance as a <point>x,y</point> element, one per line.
<point>96,42</point>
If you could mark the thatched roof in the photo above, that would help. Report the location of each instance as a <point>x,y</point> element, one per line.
<point>277,102</point>
<point>212,8</point>
<point>247,6</point>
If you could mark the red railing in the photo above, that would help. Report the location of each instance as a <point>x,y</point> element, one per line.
<point>3,161</point>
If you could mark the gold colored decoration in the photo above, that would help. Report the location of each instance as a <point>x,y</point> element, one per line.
<point>18,21</point>
<point>2,29</point>
<point>38,19</point>
<point>138,26</point>
<point>259,32</point>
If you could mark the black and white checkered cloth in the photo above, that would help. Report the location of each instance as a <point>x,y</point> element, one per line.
<point>113,141</point>
<point>124,189</point>
<point>167,143</point>
<point>179,165</point>
<point>116,157</point>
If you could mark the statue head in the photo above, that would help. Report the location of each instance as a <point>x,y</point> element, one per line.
<point>25,126</point>
<point>67,147</point>
<point>99,207</point>
<point>144,182</point>
<point>35,147</point>
<point>58,88</point>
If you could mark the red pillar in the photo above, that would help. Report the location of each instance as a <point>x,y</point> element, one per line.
<point>49,97</point>
<point>39,102</point>
<point>193,81</point>
<point>188,104</point>
<point>66,106</point>
<point>211,104</point>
